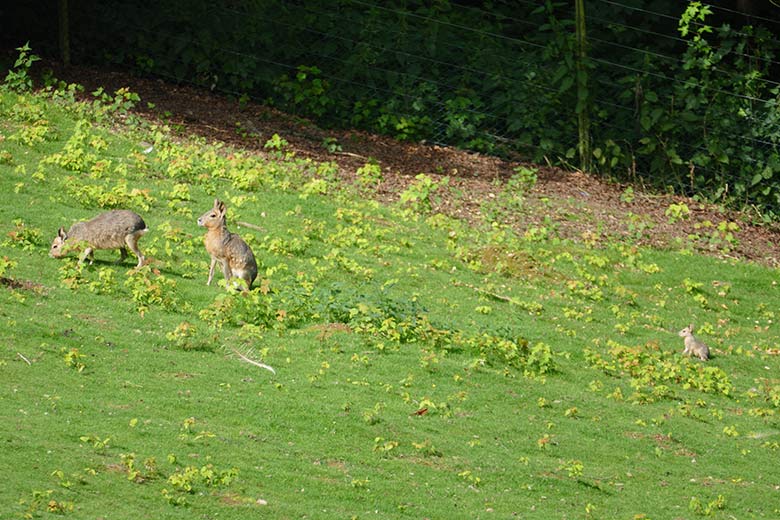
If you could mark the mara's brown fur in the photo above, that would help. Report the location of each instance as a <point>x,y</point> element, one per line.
<point>118,229</point>
<point>227,248</point>
<point>694,346</point>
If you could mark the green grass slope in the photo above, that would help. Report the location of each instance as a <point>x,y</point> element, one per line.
<point>424,368</point>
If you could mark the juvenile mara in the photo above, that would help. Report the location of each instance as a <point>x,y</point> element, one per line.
<point>694,346</point>
<point>227,248</point>
<point>118,229</point>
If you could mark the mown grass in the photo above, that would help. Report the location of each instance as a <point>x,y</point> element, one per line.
<point>425,368</point>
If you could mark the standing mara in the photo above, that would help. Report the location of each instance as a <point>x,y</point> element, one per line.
<point>693,345</point>
<point>227,248</point>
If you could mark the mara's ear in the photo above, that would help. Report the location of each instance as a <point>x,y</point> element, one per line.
<point>691,327</point>
<point>217,202</point>
<point>221,208</point>
<point>62,234</point>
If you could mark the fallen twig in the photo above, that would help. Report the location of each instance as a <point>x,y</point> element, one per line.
<point>483,291</point>
<point>350,154</point>
<point>253,362</point>
<point>24,358</point>
<point>250,226</point>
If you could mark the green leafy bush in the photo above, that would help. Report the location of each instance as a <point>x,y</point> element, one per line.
<point>19,78</point>
<point>419,195</point>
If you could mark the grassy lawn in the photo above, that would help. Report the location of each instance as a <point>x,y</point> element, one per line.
<point>425,368</point>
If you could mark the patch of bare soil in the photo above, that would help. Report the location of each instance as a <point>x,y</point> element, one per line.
<point>580,206</point>
<point>24,285</point>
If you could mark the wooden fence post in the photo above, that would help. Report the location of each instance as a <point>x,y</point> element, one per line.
<point>64,32</point>
<point>583,108</point>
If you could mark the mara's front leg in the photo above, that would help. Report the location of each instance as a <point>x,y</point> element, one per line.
<point>211,269</point>
<point>86,254</point>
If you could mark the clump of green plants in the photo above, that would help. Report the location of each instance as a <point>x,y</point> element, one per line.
<point>426,449</point>
<point>186,478</point>
<point>697,507</point>
<point>573,468</point>
<point>384,447</point>
<point>6,265</point>
<point>696,291</point>
<point>74,359</point>
<point>80,151</point>
<point>110,197</point>
<point>306,92</point>
<point>106,282</point>
<point>18,78</point>
<point>720,237</point>
<point>331,144</point>
<point>420,194</point>
<point>470,478</point>
<point>276,144</point>
<point>98,443</point>
<point>640,227</point>
<point>276,304</point>
<point>316,186</point>
<point>151,289</point>
<point>40,502</point>
<point>523,180</point>
<point>370,175</point>
<point>71,274</point>
<point>186,481</point>
<point>139,473</point>
<point>656,371</point>
<point>178,198</point>
<point>24,236</point>
<point>505,205</point>
<point>30,134</point>
<point>188,337</point>
<point>677,212</point>
<point>121,103</point>
<point>539,360</point>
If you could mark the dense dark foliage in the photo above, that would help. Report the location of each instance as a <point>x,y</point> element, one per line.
<point>681,98</point>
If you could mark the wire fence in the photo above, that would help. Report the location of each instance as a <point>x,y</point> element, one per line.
<point>331,50</point>
<point>503,83</point>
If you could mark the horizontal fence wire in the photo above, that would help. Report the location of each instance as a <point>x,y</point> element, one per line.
<point>751,16</point>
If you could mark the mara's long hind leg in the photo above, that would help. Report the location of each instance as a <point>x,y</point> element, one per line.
<point>132,242</point>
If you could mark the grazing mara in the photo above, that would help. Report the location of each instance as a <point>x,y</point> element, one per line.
<point>118,229</point>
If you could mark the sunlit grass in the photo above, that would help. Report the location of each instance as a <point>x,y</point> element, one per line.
<point>424,367</point>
